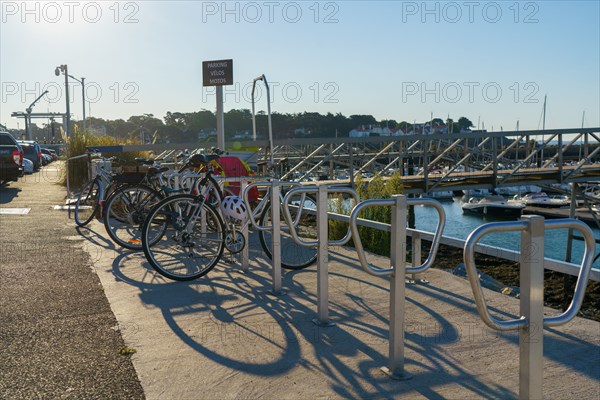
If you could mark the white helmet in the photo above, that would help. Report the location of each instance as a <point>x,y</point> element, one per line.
<point>234,207</point>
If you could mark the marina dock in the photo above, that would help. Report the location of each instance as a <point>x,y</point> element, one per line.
<point>582,214</point>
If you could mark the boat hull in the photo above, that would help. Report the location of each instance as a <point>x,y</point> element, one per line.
<point>492,210</point>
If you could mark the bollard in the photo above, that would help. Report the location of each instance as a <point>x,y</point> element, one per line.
<point>246,250</point>
<point>276,239</point>
<point>531,322</point>
<point>322,259</point>
<point>397,269</point>
<point>322,243</point>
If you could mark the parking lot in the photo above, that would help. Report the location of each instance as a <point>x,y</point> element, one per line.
<point>71,300</point>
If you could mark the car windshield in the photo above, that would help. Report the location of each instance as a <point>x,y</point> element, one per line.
<point>28,149</point>
<point>6,140</point>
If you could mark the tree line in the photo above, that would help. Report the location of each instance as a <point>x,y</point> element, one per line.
<point>188,126</point>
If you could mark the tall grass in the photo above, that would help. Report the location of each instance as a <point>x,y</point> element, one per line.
<point>373,240</point>
<point>78,144</point>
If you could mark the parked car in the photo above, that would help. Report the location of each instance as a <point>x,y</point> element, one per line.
<point>32,152</point>
<point>46,154</point>
<point>11,158</point>
<point>27,166</point>
<point>53,154</point>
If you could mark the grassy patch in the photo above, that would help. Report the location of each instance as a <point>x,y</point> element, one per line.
<point>126,351</point>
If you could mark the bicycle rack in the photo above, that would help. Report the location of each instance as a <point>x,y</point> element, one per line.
<point>398,269</point>
<point>531,333</point>
<point>322,241</point>
<point>275,228</point>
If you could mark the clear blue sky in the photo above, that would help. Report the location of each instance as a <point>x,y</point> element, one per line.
<point>489,61</point>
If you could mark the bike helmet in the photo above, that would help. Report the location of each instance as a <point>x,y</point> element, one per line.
<point>234,207</point>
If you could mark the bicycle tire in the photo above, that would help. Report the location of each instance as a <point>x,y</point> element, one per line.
<point>88,201</point>
<point>215,194</point>
<point>125,212</point>
<point>293,256</point>
<point>206,242</point>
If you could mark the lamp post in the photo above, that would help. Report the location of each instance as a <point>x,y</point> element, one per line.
<point>57,71</point>
<point>82,81</point>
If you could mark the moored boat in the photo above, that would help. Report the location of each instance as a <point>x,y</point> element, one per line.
<point>541,199</point>
<point>493,206</point>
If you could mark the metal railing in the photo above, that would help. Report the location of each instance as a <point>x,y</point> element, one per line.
<point>322,243</point>
<point>397,269</point>
<point>88,156</point>
<point>532,319</point>
<point>274,191</point>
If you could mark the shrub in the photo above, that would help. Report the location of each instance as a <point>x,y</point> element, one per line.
<point>77,145</point>
<point>373,240</point>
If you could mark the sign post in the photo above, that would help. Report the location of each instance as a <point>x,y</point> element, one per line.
<point>218,73</point>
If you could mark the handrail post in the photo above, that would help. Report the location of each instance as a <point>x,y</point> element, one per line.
<point>246,250</point>
<point>416,252</point>
<point>276,238</point>
<point>395,369</point>
<point>531,339</point>
<point>322,259</point>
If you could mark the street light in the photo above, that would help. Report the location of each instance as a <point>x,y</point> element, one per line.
<point>82,81</point>
<point>57,71</point>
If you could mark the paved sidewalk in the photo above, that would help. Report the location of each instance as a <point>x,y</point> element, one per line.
<point>58,335</point>
<point>223,336</point>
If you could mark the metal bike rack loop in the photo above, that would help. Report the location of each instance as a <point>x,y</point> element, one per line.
<point>322,243</point>
<point>532,320</point>
<point>275,227</point>
<point>398,269</point>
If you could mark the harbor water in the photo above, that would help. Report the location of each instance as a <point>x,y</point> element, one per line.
<point>459,225</point>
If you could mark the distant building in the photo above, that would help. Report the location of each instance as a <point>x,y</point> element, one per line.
<point>375,130</point>
<point>97,130</point>
<point>302,132</point>
<point>360,132</point>
<point>243,135</point>
<point>206,133</point>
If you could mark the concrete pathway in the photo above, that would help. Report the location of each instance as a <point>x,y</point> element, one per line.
<point>224,336</point>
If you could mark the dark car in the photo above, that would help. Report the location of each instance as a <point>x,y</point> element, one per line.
<point>47,157</point>
<point>11,158</point>
<point>32,152</point>
<point>52,153</point>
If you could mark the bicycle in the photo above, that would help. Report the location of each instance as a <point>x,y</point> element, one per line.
<point>91,195</point>
<point>184,236</point>
<point>126,209</point>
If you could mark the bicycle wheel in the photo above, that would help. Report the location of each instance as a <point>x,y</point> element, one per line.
<point>183,237</point>
<point>87,203</point>
<point>212,189</point>
<point>293,256</point>
<point>125,212</point>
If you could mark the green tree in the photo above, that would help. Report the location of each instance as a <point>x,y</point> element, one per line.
<point>464,123</point>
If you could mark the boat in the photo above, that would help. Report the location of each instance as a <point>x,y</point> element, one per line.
<point>442,195</point>
<point>541,199</point>
<point>493,206</point>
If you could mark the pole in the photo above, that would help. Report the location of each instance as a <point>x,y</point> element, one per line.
<point>68,123</point>
<point>269,117</point>
<point>531,345</point>
<point>220,119</point>
<point>83,100</point>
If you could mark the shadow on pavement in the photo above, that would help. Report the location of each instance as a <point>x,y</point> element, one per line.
<point>7,194</point>
<point>226,310</point>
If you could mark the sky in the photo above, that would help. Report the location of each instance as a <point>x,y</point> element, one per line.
<point>493,62</point>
